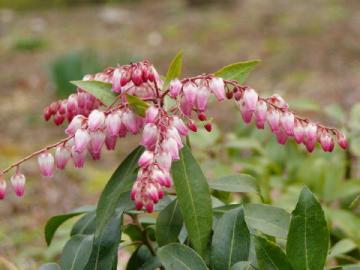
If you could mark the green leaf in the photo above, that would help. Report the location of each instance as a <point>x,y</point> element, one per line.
<point>308,237</point>
<point>238,71</point>
<point>76,252</point>
<point>231,240</point>
<point>236,183</point>
<point>120,183</point>
<point>243,265</point>
<point>101,90</point>
<point>139,258</point>
<point>267,219</point>
<point>151,264</point>
<point>342,247</point>
<point>221,210</point>
<point>194,199</point>
<point>270,256</point>
<point>85,225</point>
<point>169,224</point>
<point>137,105</point>
<point>180,257</point>
<point>174,70</point>
<point>54,222</point>
<point>50,266</point>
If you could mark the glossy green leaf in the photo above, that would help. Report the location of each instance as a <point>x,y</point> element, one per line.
<point>76,252</point>
<point>231,240</point>
<point>243,265</point>
<point>236,183</point>
<point>169,224</point>
<point>174,70</point>
<point>54,222</point>
<point>151,264</point>
<point>137,105</point>
<point>85,225</point>
<point>270,256</point>
<point>101,90</point>
<point>180,257</point>
<point>237,71</point>
<point>120,183</point>
<point>342,247</point>
<point>50,266</point>
<point>221,210</point>
<point>267,219</point>
<point>194,199</point>
<point>308,237</point>
<point>141,255</point>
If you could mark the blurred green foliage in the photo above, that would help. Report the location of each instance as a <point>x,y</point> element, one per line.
<point>29,44</point>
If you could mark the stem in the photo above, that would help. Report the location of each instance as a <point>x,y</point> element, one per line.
<point>146,240</point>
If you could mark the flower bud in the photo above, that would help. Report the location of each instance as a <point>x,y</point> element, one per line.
<point>245,113</point>
<point>72,105</point>
<point>273,118</point>
<point>2,187</point>
<point>341,140</point>
<point>18,182</point>
<point>287,120</point>
<point>81,139</point>
<point>78,157</point>
<point>113,123</point>
<point>208,127</point>
<point>175,88</point>
<point>192,125</point>
<point>110,141</point>
<point>96,120</point>
<point>170,145</point>
<point>250,99</point>
<point>74,125</point>
<point>164,161</point>
<point>260,114</point>
<point>326,141</point>
<point>217,86</point>
<point>62,156</point>
<point>46,164</point>
<point>202,98</point>
<point>149,136</point>
<point>180,126</point>
<point>299,132</point>
<point>116,85</point>
<point>97,140</point>
<point>278,101</point>
<point>186,107</point>
<point>146,159</point>
<point>130,122</point>
<point>310,132</point>
<point>136,76</point>
<point>59,119</point>
<point>281,136</point>
<point>151,113</point>
<point>190,90</point>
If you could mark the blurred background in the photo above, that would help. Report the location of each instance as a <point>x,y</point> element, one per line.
<point>310,55</point>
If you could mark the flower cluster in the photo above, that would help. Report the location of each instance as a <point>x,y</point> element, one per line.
<point>93,125</point>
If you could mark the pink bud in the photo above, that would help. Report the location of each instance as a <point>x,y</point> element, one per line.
<point>310,131</point>
<point>326,141</point>
<point>287,120</point>
<point>250,99</point>
<point>129,120</point>
<point>110,141</point>
<point>217,86</point>
<point>74,125</point>
<point>2,188</point>
<point>146,159</point>
<point>125,77</point>
<point>170,145</point>
<point>190,90</point>
<point>192,125</point>
<point>81,139</point>
<point>97,140</point>
<point>310,145</point>
<point>208,127</point>
<point>173,133</point>
<point>96,120</point>
<point>149,136</point>
<point>341,139</point>
<point>82,97</point>
<point>202,98</point>
<point>151,113</point>
<point>78,157</point>
<point>62,156</point>
<point>281,136</point>
<point>245,113</point>
<point>180,126</point>
<point>136,76</point>
<point>278,101</point>
<point>113,123</point>
<point>186,107</point>
<point>161,177</point>
<point>299,132</point>
<point>273,118</point>
<point>175,88</point>
<point>18,182</point>
<point>72,105</point>
<point>202,116</point>
<point>164,160</point>
<point>46,164</point>
<point>116,85</point>
<point>260,114</point>
<point>149,207</point>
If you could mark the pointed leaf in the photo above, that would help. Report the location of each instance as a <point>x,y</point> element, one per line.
<point>85,225</point>
<point>120,182</point>
<point>231,240</point>
<point>237,71</point>
<point>174,70</point>
<point>308,237</point>
<point>141,255</point>
<point>169,224</point>
<point>194,199</point>
<point>76,252</point>
<point>270,256</point>
<point>342,247</point>
<point>54,222</point>
<point>50,266</point>
<point>180,257</point>
<point>267,219</point>
<point>243,265</point>
<point>236,183</point>
<point>137,105</point>
<point>101,90</point>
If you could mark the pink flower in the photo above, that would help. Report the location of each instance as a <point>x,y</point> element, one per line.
<point>175,88</point>
<point>18,182</point>
<point>180,126</point>
<point>151,113</point>
<point>260,114</point>
<point>190,90</point>
<point>192,125</point>
<point>185,107</point>
<point>97,140</point>
<point>299,132</point>
<point>173,133</point>
<point>81,139</point>
<point>245,113</point>
<point>116,85</point>
<point>287,120</point>
<point>74,125</point>
<point>202,98</point>
<point>326,141</point>
<point>136,76</point>
<point>146,159</point>
<point>72,105</point>
<point>273,118</point>
<point>250,99</point>
<point>161,177</point>
<point>170,145</point>
<point>342,141</point>
<point>78,157</point>
<point>130,122</point>
<point>62,156</point>
<point>278,101</point>
<point>164,160</point>
<point>96,120</point>
<point>281,136</point>
<point>217,86</point>
<point>113,123</point>
<point>110,141</point>
<point>149,136</point>
<point>46,164</point>
<point>310,131</point>
<point>2,188</point>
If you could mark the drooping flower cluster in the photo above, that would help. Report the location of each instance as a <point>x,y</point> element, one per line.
<point>93,125</point>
